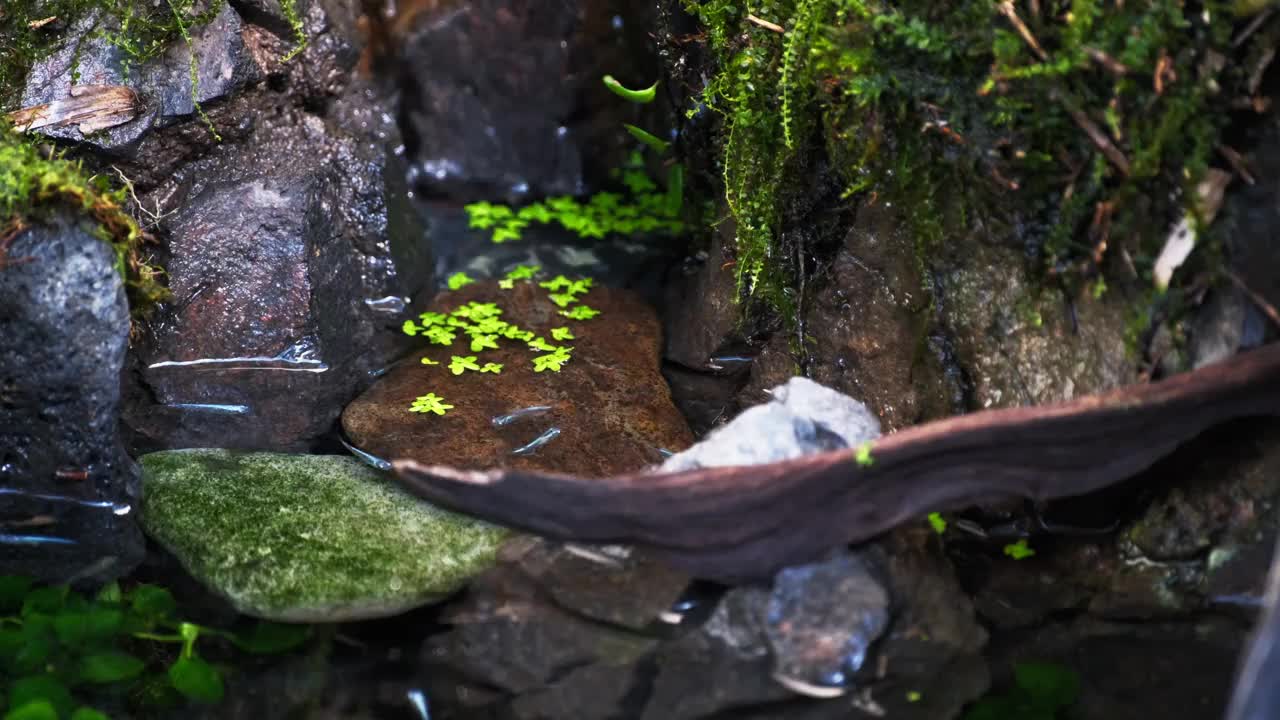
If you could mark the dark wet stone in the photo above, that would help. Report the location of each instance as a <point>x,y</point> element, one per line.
<point>290,257</point>
<point>164,85</point>
<point>1250,212</point>
<point>513,642</point>
<point>1135,671</point>
<point>702,309</point>
<point>593,692</point>
<point>822,620</point>
<point>867,319</point>
<point>489,118</point>
<point>723,665</point>
<point>609,404</point>
<point>1204,538</point>
<point>631,592</point>
<point>69,491</point>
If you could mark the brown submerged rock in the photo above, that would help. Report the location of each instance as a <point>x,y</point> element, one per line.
<point>610,404</point>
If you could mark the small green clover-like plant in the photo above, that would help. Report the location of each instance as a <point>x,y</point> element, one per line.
<point>494,368</point>
<point>863,455</point>
<point>559,282</point>
<point>459,280</point>
<point>580,312</point>
<point>562,299</point>
<point>440,335</point>
<point>507,284</point>
<point>484,215</point>
<point>937,522</point>
<point>481,342</point>
<point>1041,691</point>
<point>429,361</point>
<point>410,328</point>
<point>562,333</point>
<point>430,403</point>
<point>60,648</point>
<point>512,332</point>
<point>581,286</point>
<point>541,345</point>
<point>458,365</point>
<point>523,272</point>
<point>645,209</point>
<point>1019,550</point>
<point>476,311</point>
<point>430,319</point>
<point>552,361</point>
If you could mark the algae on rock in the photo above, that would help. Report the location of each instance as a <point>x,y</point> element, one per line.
<point>307,537</point>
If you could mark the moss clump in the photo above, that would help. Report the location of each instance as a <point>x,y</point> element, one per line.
<point>307,537</point>
<point>35,185</point>
<point>1079,131</point>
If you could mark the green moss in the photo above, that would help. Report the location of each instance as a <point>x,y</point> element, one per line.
<point>307,537</point>
<point>36,185</point>
<point>949,113</point>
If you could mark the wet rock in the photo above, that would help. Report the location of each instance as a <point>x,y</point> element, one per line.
<point>504,636</point>
<point>631,592</point>
<point>702,307</point>
<point>307,538</point>
<point>822,620</point>
<point>69,490</point>
<point>489,119</point>
<point>290,257</point>
<point>1221,518</point>
<point>164,85</point>
<point>867,321</point>
<point>1021,346</point>
<point>1203,541</point>
<point>801,418</point>
<point>1130,671</point>
<point>1250,209</point>
<point>607,411</point>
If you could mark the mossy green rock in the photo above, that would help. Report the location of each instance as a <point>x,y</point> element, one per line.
<point>307,538</point>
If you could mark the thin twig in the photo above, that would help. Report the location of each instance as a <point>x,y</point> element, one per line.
<point>1006,8</point>
<point>766,24</point>
<point>1237,163</point>
<point>1099,138</point>
<point>1111,64</point>
<point>1267,308</point>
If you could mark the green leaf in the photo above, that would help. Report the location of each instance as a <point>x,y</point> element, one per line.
<point>196,679</point>
<point>34,710</point>
<point>647,138</point>
<point>110,666</point>
<point>1051,685</point>
<point>110,594</point>
<point>636,96</point>
<point>152,602</point>
<point>13,588</point>
<point>36,688</point>
<point>45,600</point>
<point>268,637</point>
<point>88,713</point>
<point>35,650</point>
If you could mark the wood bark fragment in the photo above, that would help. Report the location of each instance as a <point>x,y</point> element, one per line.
<point>90,107</point>
<point>739,524</point>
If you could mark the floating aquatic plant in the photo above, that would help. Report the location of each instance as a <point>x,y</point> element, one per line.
<point>430,403</point>
<point>482,324</point>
